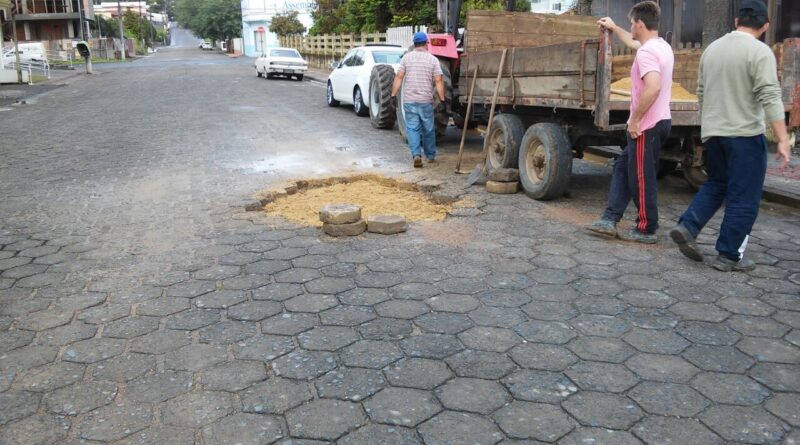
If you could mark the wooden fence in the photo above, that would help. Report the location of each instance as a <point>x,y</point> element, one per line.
<point>331,46</point>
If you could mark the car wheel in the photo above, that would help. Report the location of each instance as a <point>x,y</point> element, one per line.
<point>268,75</point>
<point>358,103</point>
<point>259,73</point>
<point>299,78</point>
<point>329,96</point>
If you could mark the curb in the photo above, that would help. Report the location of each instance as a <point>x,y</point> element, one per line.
<point>317,76</point>
<point>784,197</point>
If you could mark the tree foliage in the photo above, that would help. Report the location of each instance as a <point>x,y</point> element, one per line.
<point>211,19</point>
<point>286,24</point>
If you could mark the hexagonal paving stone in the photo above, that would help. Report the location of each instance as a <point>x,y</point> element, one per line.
<point>220,299</point>
<point>80,398</point>
<point>304,365</point>
<point>402,406</point>
<point>196,409</point>
<point>39,321</point>
<point>36,429</point>
<point>193,319</point>
<point>746,306</point>
<point>668,399</point>
<point>275,396</point>
<point>473,395</point>
<point>600,305</point>
<point>718,358</point>
<point>93,350</point>
<point>501,317</point>
<point>244,429</point>
<point>744,424</point>
<point>385,329</point>
<point>104,313</point>
<point>550,310</point>
<point>288,324</point>
<point>364,296</point>
<point>406,309</point>
<point>115,421</point>
<point>264,347</point>
<point>435,346</point>
<point>277,291</point>
<point>606,377</point>
<point>195,357</point>
<point>51,377</point>
<point>325,419</point>
<point>699,312</point>
<point>159,387</point>
<point>586,436</point>
<point>757,326</point>
<point>347,315</point>
<point>542,356</point>
<point>327,338</point>
<point>130,327</point>
<point>769,350</point>
<point>418,373</point>
<point>234,375</point>
<point>601,349</point>
<point>731,389</point>
<point>17,405</point>
<point>451,427</point>
<point>655,430</point>
<point>124,367</point>
<point>381,280</point>
<point>539,421</point>
<point>539,386</point>
<point>28,357</point>
<point>443,322</point>
<point>786,406</point>
<point>605,410</point>
<point>656,342</point>
<point>370,354</point>
<point>662,368</point>
<point>311,303</point>
<point>160,307</point>
<point>489,339</point>
<point>650,318</point>
<point>246,282</point>
<point>216,273</point>
<point>376,434</point>
<point>160,342</point>
<point>254,310</point>
<point>600,325</point>
<point>554,332</point>
<point>453,303</point>
<point>708,333</point>
<point>353,384</point>
<point>329,285</point>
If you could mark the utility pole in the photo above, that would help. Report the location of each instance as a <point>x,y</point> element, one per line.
<point>80,18</point>
<point>121,29</point>
<point>141,34</point>
<point>16,42</point>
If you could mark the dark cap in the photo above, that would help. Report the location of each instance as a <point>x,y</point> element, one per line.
<point>755,7</point>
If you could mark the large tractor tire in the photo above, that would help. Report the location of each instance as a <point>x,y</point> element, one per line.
<point>545,161</point>
<point>442,119</point>
<point>503,141</point>
<point>382,113</point>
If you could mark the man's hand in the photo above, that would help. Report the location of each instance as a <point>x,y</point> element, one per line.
<point>607,23</point>
<point>784,153</point>
<point>441,107</point>
<point>633,129</point>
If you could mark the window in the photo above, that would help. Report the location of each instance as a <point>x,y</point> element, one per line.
<point>556,6</point>
<point>284,53</point>
<point>391,57</point>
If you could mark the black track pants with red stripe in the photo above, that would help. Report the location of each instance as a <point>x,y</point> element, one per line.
<point>634,178</point>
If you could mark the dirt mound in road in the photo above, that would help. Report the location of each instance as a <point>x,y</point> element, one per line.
<point>375,197</point>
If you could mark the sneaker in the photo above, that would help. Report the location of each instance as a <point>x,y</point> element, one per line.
<point>724,264</point>
<point>685,241</point>
<point>417,162</point>
<point>635,236</point>
<point>604,227</point>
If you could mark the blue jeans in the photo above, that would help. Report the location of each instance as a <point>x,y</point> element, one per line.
<point>419,123</point>
<point>736,169</point>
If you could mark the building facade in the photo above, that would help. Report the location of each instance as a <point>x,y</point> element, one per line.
<point>551,6</point>
<point>257,16</point>
<point>49,20</point>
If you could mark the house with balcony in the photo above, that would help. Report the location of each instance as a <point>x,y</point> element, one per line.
<point>50,20</point>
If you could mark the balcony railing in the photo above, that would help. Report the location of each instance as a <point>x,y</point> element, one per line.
<point>50,6</point>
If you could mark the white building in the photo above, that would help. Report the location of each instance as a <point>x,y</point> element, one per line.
<point>551,6</point>
<point>257,16</point>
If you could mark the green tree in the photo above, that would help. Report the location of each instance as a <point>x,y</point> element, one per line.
<point>213,19</point>
<point>327,17</point>
<point>286,24</point>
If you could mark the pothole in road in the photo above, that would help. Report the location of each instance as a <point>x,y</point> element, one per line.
<point>421,201</point>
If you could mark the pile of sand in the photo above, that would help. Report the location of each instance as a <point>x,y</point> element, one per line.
<point>621,90</point>
<point>374,199</point>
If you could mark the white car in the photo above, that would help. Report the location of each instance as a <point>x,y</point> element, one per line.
<point>350,80</point>
<point>206,46</point>
<point>281,61</point>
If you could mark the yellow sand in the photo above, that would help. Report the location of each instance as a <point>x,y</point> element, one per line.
<point>679,93</point>
<point>374,199</point>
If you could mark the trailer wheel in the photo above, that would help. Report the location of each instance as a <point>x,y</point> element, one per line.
<point>545,161</point>
<point>504,140</point>
<point>382,113</point>
<point>693,163</point>
<point>695,176</point>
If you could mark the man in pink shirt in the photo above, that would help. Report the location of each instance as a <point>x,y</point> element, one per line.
<point>634,175</point>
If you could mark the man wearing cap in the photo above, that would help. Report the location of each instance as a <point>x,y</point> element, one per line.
<point>738,91</point>
<point>417,73</point>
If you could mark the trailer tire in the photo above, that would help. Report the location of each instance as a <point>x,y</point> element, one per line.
<point>545,161</point>
<point>382,113</point>
<point>695,176</point>
<point>504,140</point>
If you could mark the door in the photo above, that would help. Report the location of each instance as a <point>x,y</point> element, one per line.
<point>339,78</point>
<point>350,73</point>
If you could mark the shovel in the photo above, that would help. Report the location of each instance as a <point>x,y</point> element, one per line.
<point>480,172</point>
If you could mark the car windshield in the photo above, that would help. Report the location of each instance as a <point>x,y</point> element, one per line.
<point>387,56</point>
<point>284,53</point>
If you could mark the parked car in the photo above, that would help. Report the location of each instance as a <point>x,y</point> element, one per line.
<point>281,61</point>
<point>350,80</point>
<point>206,46</point>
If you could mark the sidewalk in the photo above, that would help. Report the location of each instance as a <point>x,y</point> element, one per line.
<point>318,75</point>
<point>783,186</point>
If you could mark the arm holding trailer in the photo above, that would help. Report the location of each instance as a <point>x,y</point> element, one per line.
<point>624,36</point>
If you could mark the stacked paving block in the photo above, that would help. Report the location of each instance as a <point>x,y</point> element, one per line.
<point>342,220</point>
<point>503,181</point>
<point>386,224</point>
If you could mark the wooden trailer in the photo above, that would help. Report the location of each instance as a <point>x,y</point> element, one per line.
<point>555,98</point>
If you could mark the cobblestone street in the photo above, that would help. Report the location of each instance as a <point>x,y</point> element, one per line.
<point>141,304</point>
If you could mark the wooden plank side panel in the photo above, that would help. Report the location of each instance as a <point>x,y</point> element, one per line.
<point>546,60</point>
<point>487,30</point>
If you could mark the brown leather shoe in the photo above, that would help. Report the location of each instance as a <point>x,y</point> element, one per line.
<point>417,162</point>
